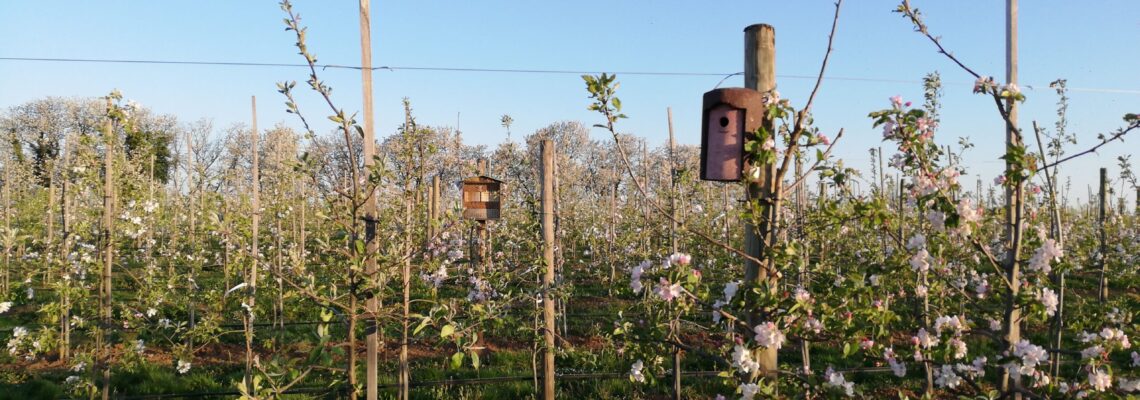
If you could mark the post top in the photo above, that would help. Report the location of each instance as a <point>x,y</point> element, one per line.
<point>758,27</point>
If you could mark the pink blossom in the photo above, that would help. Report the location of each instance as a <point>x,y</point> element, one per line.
<point>667,291</point>
<point>768,335</point>
<point>1099,380</point>
<point>769,144</point>
<point>866,344</point>
<point>896,101</point>
<point>680,259</point>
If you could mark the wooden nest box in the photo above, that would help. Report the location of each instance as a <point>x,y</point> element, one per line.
<point>481,198</point>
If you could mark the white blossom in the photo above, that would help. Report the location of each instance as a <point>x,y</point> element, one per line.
<point>898,367</point>
<point>730,289</point>
<point>836,380</point>
<point>947,378</point>
<point>916,242</point>
<point>1128,386</point>
<point>921,291</point>
<point>919,262</point>
<point>1099,380</point>
<point>801,295</point>
<point>1092,352</point>
<point>959,346</point>
<point>183,366</point>
<point>768,335</point>
<point>1048,298</point>
<point>742,359</point>
<point>635,276</point>
<point>635,374</point>
<point>748,391</point>
<point>925,339</point>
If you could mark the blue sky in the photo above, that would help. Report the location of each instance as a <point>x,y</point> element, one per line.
<point>1092,44</point>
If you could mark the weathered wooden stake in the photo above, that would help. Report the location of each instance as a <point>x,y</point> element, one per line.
<point>7,225</point>
<point>673,246</point>
<point>1014,208</point>
<point>255,254</point>
<point>1103,236</point>
<point>548,257</point>
<point>372,304</point>
<point>760,75</point>
<point>108,254</point>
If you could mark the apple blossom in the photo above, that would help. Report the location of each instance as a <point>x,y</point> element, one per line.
<point>1048,298</point>
<point>1128,386</point>
<point>742,359</point>
<point>896,101</point>
<point>748,391</point>
<point>768,335</point>
<point>668,291</point>
<point>1099,380</point>
<point>836,380</point>
<point>947,378</point>
<point>635,374</point>
<point>183,366</point>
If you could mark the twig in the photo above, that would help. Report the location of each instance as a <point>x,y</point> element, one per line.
<point>800,179</point>
<point>1118,136</point>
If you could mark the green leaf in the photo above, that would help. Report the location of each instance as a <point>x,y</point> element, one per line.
<point>446,331</point>
<point>457,360</point>
<point>475,359</point>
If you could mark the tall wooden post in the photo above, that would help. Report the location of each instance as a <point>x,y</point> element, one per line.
<point>760,75</point>
<point>1013,211</point>
<point>548,258</point>
<point>433,206</point>
<point>1102,199</point>
<point>481,240</point>
<point>254,253</point>
<point>7,225</point>
<point>372,304</point>
<point>673,245</point>
<point>64,250</point>
<point>108,253</point>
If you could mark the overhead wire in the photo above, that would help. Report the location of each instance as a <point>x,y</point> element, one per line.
<point>724,75</point>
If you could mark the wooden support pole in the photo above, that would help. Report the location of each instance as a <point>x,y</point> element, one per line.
<point>548,257</point>
<point>481,259</point>
<point>673,246</point>
<point>64,250</point>
<point>1102,199</point>
<point>7,225</point>
<point>255,255</point>
<point>433,206</point>
<point>372,304</point>
<point>108,254</point>
<point>1014,208</point>
<point>672,183</point>
<point>760,75</point>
